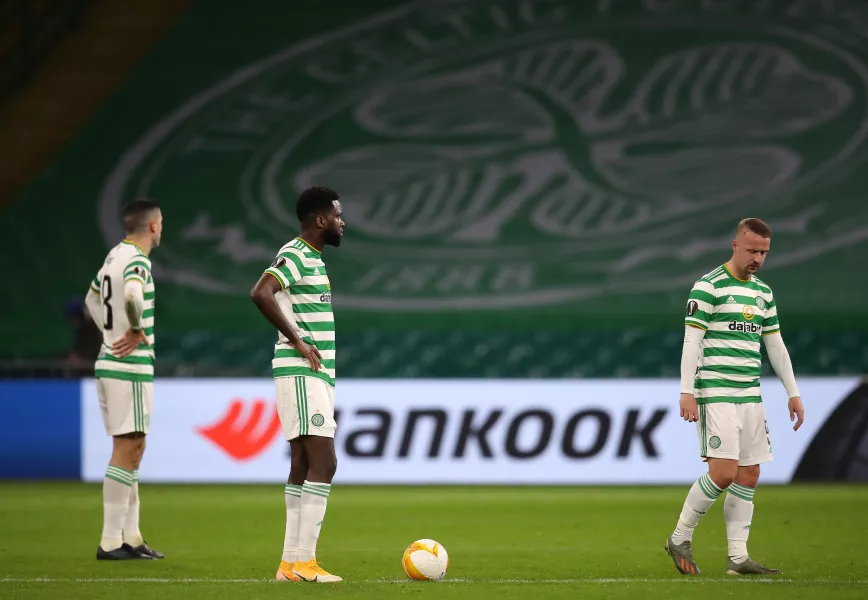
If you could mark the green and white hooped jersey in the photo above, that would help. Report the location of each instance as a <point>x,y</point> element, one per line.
<point>125,262</point>
<point>735,314</point>
<point>305,300</point>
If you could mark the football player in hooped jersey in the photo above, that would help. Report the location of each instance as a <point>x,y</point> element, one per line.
<point>294,294</point>
<point>729,310</point>
<point>121,303</point>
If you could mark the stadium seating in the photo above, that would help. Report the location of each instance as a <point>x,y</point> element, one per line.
<point>550,354</point>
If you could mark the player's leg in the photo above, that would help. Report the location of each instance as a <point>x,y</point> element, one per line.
<point>718,445</point>
<point>739,507</point>
<point>298,470</point>
<point>132,532</point>
<point>317,426</point>
<point>289,414</point>
<point>144,395</point>
<point>314,501</point>
<point>117,404</point>
<point>116,491</point>
<point>292,496</point>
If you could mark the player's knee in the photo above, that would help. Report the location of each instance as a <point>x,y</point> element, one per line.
<point>324,468</point>
<point>748,476</point>
<point>723,473</point>
<point>138,452</point>
<point>134,452</point>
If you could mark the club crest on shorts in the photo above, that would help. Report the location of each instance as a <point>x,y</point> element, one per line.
<point>714,442</point>
<point>317,420</point>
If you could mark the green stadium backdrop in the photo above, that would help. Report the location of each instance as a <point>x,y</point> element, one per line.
<point>530,186</point>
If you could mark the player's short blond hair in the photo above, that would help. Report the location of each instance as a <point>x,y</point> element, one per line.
<point>757,226</point>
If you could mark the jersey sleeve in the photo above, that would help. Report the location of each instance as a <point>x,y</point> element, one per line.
<point>94,285</point>
<point>138,270</point>
<point>700,305</point>
<point>771,324</point>
<point>286,268</point>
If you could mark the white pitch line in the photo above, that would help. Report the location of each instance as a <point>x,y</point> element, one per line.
<point>602,580</point>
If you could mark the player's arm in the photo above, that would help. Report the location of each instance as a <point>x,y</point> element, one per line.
<point>700,306</point>
<point>135,276</point>
<point>282,273</point>
<point>134,304</point>
<point>93,302</point>
<point>690,353</point>
<point>779,357</point>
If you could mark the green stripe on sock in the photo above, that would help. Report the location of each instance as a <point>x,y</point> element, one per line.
<point>121,471</point>
<point>743,488</point>
<point>292,490</point>
<point>120,475</point>
<point>742,492</point>
<point>118,479</point>
<point>738,494</point>
<point>716,490</point>
<point>705,489</point>
<point>316,492</point>
<point>135,476</point>
<point>709,488</point>
<point>320,489</point>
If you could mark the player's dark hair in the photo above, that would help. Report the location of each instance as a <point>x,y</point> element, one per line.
<point>758,226</point>
<point>314,201</point>
<point>137,212</point>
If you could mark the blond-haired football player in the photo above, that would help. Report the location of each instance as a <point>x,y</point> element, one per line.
<point>728,312</point>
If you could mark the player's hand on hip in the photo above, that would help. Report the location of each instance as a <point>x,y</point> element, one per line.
<point>796,412</point>
<point>310,353</point>
<point>689,409</point>
<point>128,342</point>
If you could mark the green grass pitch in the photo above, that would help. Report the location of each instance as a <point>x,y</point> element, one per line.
<point>504,542</point>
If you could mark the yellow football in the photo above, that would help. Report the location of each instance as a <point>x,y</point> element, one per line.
<point>425,560</point>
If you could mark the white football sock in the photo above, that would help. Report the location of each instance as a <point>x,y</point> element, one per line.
<point>132,535</point>
<point>115,500</point>
<point>292,495</point>
<point>700,498</point>
<point>738,513</point>
<point>314,498</point>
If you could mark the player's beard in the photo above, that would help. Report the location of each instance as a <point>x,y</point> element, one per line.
<point>332,238</point>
